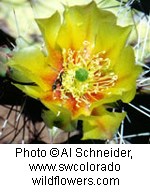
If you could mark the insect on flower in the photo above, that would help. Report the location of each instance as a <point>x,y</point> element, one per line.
<point>58,81</point>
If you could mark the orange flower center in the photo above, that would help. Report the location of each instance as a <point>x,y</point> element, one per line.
<point>85,73</point>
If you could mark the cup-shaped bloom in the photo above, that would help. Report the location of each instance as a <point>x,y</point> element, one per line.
<point>87,64</point>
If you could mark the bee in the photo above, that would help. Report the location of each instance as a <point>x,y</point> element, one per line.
<point>58,81</point>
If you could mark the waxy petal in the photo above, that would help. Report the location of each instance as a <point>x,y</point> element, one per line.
<point>59,117</point>
<point>50,28</point>
<point>33,91</point>
<point>127,73</point>
<point>81,23</point>
<point>28,67</point>
<point>103,126</point>
<point>111,39</point>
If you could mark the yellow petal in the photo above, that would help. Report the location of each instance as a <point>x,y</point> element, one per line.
<point>32,91</point>
<point>59,117</point>
<point>49,28</point>
<point>103,126</point>
<point>127,72</point>
<point>111,39</point>
<point>105,100</point>
<point>125,63</point>
<point>81,24</point>
<point>30,63</point>
<point>30,57</point>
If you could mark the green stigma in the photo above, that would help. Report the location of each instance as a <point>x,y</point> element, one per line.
<point>81,74</point>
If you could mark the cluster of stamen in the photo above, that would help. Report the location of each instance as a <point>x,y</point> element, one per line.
<point>85,73</point>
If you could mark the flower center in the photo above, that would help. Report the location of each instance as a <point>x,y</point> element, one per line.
<point>81,74</point>
<point>85,74</point>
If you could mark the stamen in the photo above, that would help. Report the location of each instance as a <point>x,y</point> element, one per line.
<point>85,73</point>
<point>58,113</point>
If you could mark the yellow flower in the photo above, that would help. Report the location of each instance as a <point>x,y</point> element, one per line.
<point>87,65</point>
